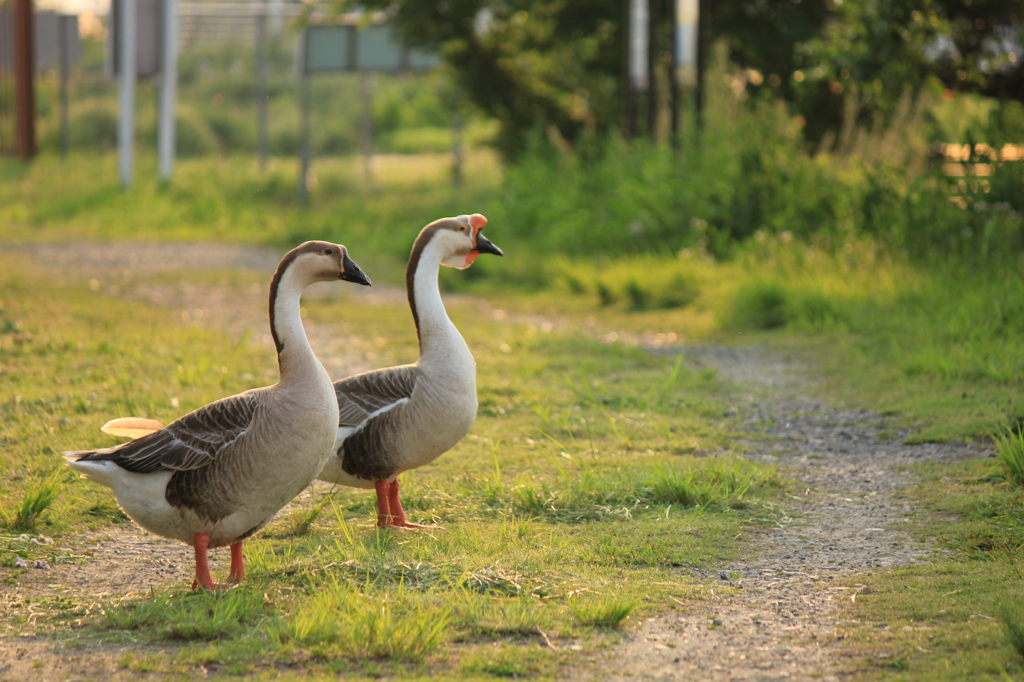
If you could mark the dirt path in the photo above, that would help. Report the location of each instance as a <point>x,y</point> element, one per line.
<point>777,616</point>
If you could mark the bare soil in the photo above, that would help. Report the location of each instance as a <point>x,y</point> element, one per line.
<point>778,615</point>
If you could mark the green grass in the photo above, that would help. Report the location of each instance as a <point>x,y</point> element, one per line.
<point>1013,620</point>
<point>1010,445</point>
<point>230,200</point>
<point>595,470</point>
<point>607,613</point>
<point>955,617</point>
<point>593,474</point>
<point>37,500</point>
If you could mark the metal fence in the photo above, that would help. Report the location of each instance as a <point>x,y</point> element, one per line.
<point>204,23</point>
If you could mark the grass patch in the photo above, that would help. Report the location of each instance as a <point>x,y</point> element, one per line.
<point>1010,446</point>
<point>197,616</point>
<point>609,612</point>
<point>343,622</point>
<point>231,200</point>
<point>37,500</point>
<point>588,473</point>
<point>952,618</point>
<point>1013,619</point>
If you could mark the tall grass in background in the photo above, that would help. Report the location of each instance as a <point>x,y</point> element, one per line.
<point>910,262</point>
<point>749,173</point>
<point>216,109</point>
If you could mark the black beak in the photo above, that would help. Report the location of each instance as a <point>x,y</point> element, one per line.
<point>352,272</point>
<point>484,245</point>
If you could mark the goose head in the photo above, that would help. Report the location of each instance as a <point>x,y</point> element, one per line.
<point>460,240</point>
<point>318,261</point>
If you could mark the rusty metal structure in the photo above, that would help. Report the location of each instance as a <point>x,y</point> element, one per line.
<point>17,87</point>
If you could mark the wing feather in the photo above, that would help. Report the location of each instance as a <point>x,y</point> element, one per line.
<point>192,442</point>
<point>363,395</point>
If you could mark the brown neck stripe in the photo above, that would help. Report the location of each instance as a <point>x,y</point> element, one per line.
<point>275,283</point>
<point>421,242</point>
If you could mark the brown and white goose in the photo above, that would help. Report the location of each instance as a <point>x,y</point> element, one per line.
<point>219,474</point>
<point>400,418</point>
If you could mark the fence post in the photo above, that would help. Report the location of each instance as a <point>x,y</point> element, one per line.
<point>304,105</point>
<point>126,123</point>
<point>457,150</point>
<point>366,127</point>
<point>261,87</point>
<point>24,73</point>
<point>63,50</point>
<point>168,90</point>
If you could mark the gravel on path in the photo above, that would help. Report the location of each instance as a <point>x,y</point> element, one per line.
<point>779,615</point>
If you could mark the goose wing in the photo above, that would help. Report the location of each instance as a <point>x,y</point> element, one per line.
<point>366,395</point>
<point>372,408</point>
<point>192,442</point>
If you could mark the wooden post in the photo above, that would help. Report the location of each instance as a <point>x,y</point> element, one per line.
<point>457,151</point>
<point>24,74</point>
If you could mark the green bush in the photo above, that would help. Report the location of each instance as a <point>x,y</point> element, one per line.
<point>92,125</point>
<point>193,136</point>
<point>763,305</point>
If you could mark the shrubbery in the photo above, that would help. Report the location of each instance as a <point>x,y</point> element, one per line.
<point>748,175</point>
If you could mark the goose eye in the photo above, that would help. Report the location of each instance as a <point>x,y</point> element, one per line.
<point>462,228</point>
<point>328,251</point>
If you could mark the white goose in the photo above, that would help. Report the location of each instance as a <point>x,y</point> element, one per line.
<point>219,474</point>
<point>400,418</point>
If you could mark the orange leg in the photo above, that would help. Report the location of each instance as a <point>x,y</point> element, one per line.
<point>201,541</point>
<point>397,513</point>
<point>237,563</point>
<point>383,504</point>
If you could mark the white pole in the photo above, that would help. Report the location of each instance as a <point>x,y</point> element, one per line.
<point>168,89</point>
<point>126,123</point>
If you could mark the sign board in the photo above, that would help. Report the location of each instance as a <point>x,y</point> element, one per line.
<point>687,14</point>
<point>51,29</point>
<point>333,49</point>
<point>47,29</point>
<point>148,38</point>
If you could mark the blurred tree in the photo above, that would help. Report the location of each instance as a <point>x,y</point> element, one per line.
<point>824,55</point>
<point>558,64</point>
<point>878,50</point>
<point>765,38</point>
<point>527,63</point>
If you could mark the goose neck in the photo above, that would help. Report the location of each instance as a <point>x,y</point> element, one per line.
<point>435,330</point>
<point>294,355</point>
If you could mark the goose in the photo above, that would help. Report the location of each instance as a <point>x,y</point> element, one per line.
<point>395,419</point>
<point>219,474</point>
